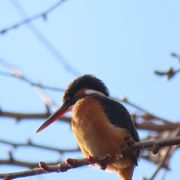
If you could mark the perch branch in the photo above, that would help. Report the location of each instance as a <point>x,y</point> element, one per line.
<point>75,163</point>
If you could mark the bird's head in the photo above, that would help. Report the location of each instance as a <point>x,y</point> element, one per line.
<point>82,86</point>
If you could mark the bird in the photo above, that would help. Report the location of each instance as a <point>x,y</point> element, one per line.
<point>101,125</point>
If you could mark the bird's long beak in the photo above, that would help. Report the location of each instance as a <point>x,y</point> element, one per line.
<point>62,110</point>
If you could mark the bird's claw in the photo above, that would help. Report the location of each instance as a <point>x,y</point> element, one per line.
<point>103,163</point>
<point>129,141</point>
<point>91,160</point>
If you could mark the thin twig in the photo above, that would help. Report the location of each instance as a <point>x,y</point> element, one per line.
<point>43,15</point>
<point>160,143</point>
<point>169,74</point>
<point>157,127</point>
<point>30,82</point>
<point>152,116</point>
<point>166,154</point>
<point>14,162</point>
<point>45,42</point>
<point>161,164</point>
<point>35,145</point>
<point>17,73</point>
<point>175,55</point>
<point>20,116</point>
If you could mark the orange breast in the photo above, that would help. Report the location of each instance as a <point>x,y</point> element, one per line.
<point>95,134</point>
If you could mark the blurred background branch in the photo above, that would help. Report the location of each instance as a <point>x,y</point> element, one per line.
<point>43,15</point>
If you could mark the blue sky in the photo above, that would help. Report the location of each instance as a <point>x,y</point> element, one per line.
<point>121,42</point>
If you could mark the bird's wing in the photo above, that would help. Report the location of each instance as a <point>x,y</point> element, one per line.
<point>118,115</point>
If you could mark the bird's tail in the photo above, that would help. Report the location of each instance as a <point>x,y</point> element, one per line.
<point>123,168</point>
<point>126,173</point>
<point>125,176</point>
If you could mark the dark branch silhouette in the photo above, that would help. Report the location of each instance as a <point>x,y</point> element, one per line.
<point>74,163</point>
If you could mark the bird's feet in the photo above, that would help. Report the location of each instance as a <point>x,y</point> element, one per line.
<point>103,163</point>
<point>129,141</point>
<point>91,160</point>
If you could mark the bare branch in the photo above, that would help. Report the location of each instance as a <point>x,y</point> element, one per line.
<point>29,143</point>
<point>30,165</point>
<point>169,74</point>
<point>75,163</point>
<point>160,143</point>
<point>20,116</point>
<point>161,164</point>
<point>43,15</point>
<point>45,42</point>
<point>175,55</point>
<point>147,114</point>
<point>16,73</point>
<point>157,127</point>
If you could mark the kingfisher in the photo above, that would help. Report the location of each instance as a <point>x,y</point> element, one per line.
<point>100,124</point>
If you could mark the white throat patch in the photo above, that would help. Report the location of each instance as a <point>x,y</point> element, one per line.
<point>92,91</point>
